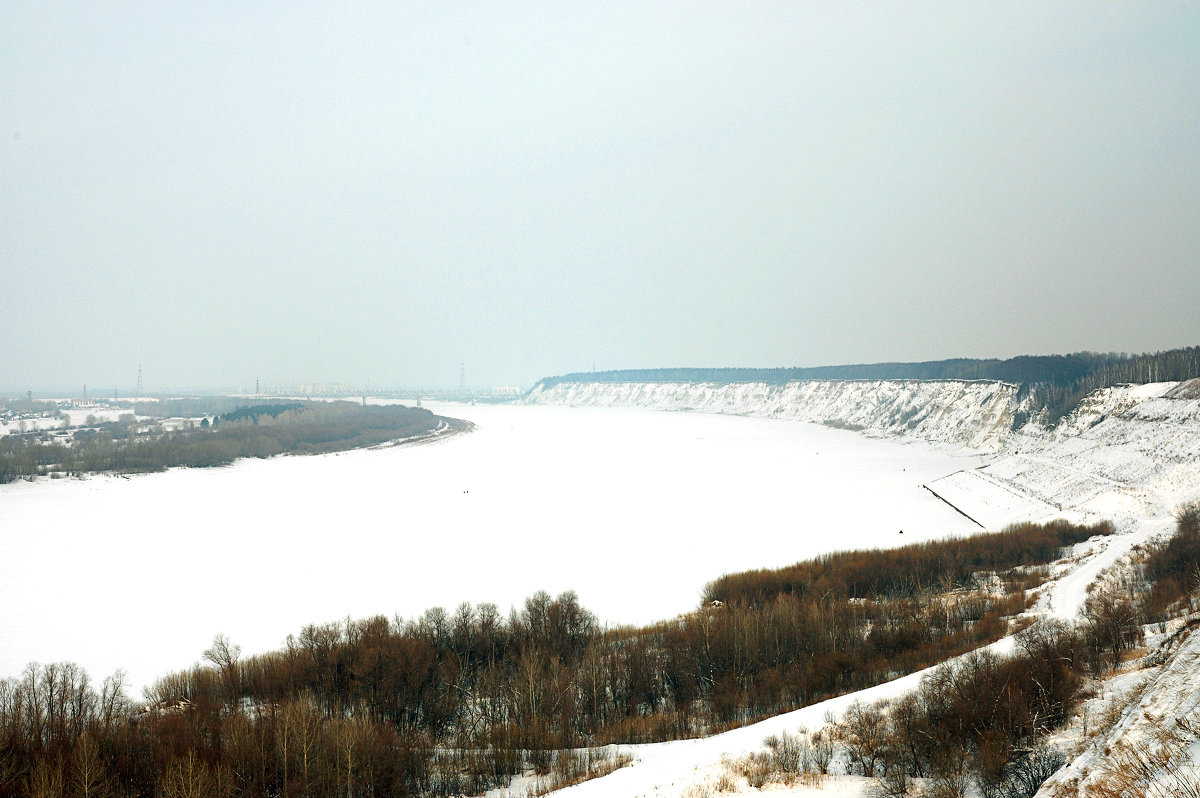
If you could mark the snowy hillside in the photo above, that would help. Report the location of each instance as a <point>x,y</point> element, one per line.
<point>694,768</point>
<point>1127,453</point>
<point>1147,750</point>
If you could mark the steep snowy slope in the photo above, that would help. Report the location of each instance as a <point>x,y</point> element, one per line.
<point>1153,749</point>
<point>1128,451</point>
<point>689,768</point>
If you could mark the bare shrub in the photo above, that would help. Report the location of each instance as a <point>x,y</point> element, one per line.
<point>577,766</point>
<point>864,732</point>
<point>822,750</point>
<point>540,759</point>
<point>1114,623</point>
<point>758,769</point>
<point>791,752</point>
<point>1028,772</point>
<point>950,772</point>
<point>725,783</point>
<point>894,782</point>
<point>702,790</point>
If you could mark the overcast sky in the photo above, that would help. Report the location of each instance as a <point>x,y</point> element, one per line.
<point>380,193</point>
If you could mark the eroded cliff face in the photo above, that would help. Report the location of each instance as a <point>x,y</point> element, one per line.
<point>1127,451</point>
<point>973,415</point>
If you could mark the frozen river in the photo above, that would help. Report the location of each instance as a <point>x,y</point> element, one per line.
<point>633,509</point>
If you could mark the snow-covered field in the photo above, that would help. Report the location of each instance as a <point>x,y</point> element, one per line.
<point>71,415</point>
<point>633,509</point>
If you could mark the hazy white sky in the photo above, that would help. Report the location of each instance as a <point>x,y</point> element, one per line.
<point>380,192</point>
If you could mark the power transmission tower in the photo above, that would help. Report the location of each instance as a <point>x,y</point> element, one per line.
<point>139,388</point>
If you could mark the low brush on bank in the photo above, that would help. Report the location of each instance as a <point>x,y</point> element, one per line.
<point>372,706</point>
<point>909,570</point>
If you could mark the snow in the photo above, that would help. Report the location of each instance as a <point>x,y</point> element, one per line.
<point>140,573</point>
<point>1138,454</point>
<point>1127,451</point>
<point>1130,454</point>
<point>596,497</point>
<point>990,503</point>
<point>1064,597</point>
<point>101,413</point>
<point>974,415</point>
<point>1172,691</point>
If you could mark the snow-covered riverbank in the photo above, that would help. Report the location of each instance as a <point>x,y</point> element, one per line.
<point>1129,453</point>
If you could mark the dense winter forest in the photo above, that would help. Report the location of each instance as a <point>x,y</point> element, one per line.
<point>1057,382</point>
<point>456,702</point>
<point>128,445</point>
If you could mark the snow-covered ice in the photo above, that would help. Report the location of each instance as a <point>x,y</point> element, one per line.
<point>633,509</point>
<point>1127,451</point>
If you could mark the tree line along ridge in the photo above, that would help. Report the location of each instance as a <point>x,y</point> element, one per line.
<point>1055,382</point>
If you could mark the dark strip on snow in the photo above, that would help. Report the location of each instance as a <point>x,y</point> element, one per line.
<point>954,507</point>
